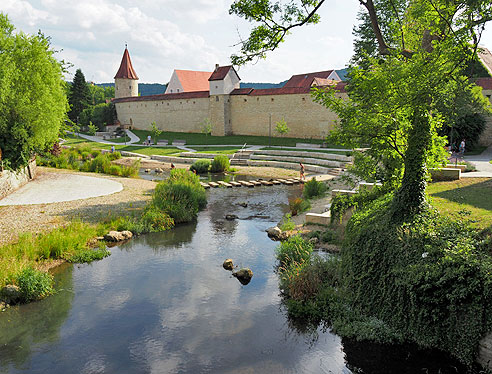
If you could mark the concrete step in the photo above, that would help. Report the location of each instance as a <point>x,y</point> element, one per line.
<point>319,218</point>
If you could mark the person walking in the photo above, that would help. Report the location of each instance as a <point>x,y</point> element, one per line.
<point>302,171</point>
<point>462,147</point>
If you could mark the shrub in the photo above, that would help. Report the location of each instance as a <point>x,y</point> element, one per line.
<point>293,250</point>
<point>299,205</point>
<point>33,284</point>
<point>287,223</point>
<point>200,166</point>
<point>219,164</point>
<point>114,156</point>
<point>313,188</point>
<point>181,196</point>
<point>156,220</point>
<point>95,153</point>
<point>132,170</point>
<point>115,170</point>
<point>85,155</point>
<point>88,255</point>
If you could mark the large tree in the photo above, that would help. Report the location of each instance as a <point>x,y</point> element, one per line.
<point>33,103</point>
<point>79,96</point>
<point>405,89</point>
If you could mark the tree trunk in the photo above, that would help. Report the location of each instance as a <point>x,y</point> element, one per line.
<point>410,197</point>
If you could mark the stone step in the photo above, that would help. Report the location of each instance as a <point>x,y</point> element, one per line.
<point>224,184</point>
<point>247,184</point>
<point>204,185</point>
<point>235,184</point>
<point>213,184</point>
<point>266,183</point>
<point>256,183</point>
<point>319,218</point>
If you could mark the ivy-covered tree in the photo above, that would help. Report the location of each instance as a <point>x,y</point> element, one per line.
<point>79,97</point>
<point>33,104</point>
<point>423,47</point>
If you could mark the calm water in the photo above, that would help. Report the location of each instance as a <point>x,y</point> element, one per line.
<point>162,303</point>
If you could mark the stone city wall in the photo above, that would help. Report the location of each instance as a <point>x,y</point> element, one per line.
<point>486,137</point>
<point>179,115</point>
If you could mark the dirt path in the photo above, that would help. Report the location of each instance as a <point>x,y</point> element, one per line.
<point>44,217</point>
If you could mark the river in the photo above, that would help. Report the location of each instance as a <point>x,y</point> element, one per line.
<point>162,303</point>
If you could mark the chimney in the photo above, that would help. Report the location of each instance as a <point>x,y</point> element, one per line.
<point>216,67</point>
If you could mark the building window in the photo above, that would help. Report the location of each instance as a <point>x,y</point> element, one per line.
<point>257,99</point>
<point>303,99</point>
<point>216,87</point>
<point>130,87</point>
<point>193,102</point>
<point>177,90</point>
<point>245,100</point>
<point>273,99</point>
<point>167,104</point>
<point>216,98</point>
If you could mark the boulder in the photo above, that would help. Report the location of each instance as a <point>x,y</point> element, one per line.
<point>243,204</point>
<point>228,264</point>
<point>314,240</point>
<point>147,171</point>
<point>243,275</point>
<point>274,232</point>
<point>158,171</point>
<point>11,294</point>
<point>118,236</point>
<point>231,217</point>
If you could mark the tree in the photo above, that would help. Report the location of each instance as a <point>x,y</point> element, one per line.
<point>92,129</point>
<point>79,97</point>
<point>155,132</point>
<point>33,103</point>
<point>422,46</point>
<point>207,126</point>
<point>281,127</point>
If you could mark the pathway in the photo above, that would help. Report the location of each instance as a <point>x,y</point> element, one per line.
<point>98,139</point>
<point>58,187</point>
<point>481,162</point>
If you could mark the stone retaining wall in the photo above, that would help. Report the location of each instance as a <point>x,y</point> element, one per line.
<point>296,160</point>
<point>325,156</point>
<point>11,181</point>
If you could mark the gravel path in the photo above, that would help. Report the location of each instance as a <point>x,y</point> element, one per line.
<point>17,219</point>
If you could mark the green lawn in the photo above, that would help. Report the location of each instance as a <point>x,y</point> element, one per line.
<point>221,150</point>
<point>470,196</point>
<point>161,151</point>
<point>202,139</point>
<point>475,151</point>
<point>345,153</point>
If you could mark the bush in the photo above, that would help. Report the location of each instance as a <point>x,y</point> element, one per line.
<point>299,205</point>
<point>115,170</point>
<point>313,188</point>
<point>132,170</point>
<point>293,250</point>
<point>156,220</point>
<point>85,155</point>
<point>33,284</point>
<point>200,166</point>
<point>181,196</point>
<point>287,223</point>
<point>95,153</point>
<point>219,164</point>
<point>88,255</point>
<point>114,156</point>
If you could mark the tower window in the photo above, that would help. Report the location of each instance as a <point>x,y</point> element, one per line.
<point>130,87</point>
<point>216,98</point>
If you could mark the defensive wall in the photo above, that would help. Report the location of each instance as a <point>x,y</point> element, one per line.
<point>243,112</point>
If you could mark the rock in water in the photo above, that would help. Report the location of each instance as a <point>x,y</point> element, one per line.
<point>244,205</point>
<point>231,217</point>
<point>243,275</point>
<point>158,170</point>
<point>228,265</point>
<point>118,236</point>
<point>274,232</point>
<point>147,171</point>
<point>11,294</point>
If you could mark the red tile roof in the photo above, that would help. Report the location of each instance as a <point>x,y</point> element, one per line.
<point>126,68</point>
<point>169,96</point>
<point>221,72</point>
<point>283,90</point>
<point>193,80</point>
<point>485,83</point>
<point>306,80</point>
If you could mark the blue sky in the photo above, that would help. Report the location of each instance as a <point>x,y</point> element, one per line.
<point>164,35</point>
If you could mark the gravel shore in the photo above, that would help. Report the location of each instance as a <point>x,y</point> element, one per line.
<point>45,217</point>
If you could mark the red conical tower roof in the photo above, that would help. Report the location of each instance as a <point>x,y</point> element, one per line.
<point>126,68</point>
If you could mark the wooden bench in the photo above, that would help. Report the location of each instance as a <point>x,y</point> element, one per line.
<point>179,142</point>
<point>163,142</point>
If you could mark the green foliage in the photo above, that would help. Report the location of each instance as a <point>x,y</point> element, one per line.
<point>281,127</point>
<point>100,95</point>
<point>313,189</point>
<point>88,255</point>
<point>207,126</point>
<point>155,132</point>
<point>100,115</point>
<point>92,129</point>
<point>79,96</point>
<point>33,103</point>
<point>33,284</point>
<point>200,166</point>
<point>220,164</point>
<point>287,223</point>
<point>294,250</point>
<point>156,220</point>
<point>469,127</point>
<point>299,205</point>
<point>180,196</point>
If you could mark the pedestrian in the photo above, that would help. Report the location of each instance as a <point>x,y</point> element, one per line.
<point>149,140</point>
<point>302,171</point>
<point>112,149</point>
<point>172,166</point>
<point>462,147</point>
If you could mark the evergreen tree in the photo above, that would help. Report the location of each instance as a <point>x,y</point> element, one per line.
<point>79,98</point>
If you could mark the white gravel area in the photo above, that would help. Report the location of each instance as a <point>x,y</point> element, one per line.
<point>54,188</point>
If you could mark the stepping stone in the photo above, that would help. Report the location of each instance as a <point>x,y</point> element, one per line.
<point>275,182</point>
<point>283,181</point>
<point>256,183</point>
<point>213,184</point>
<point>266,183</point>
<point>224,184</point>
<point>294,180</point>
<point>204,185</point>
<point>235,184</point>
<point>247,184</point>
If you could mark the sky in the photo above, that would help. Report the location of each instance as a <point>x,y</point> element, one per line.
<point>163,35</point>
